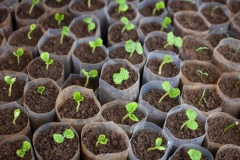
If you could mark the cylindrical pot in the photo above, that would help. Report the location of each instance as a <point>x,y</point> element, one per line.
<point>3,41</point>
<point>9,3</point>
<point>6,24</point>
<point>233,6</point>
<point>50,5</point>
<point>228,151</point>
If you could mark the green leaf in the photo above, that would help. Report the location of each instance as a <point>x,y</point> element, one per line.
<point>160,148</point>
<point>133,117</point>
<point>16,114</point>
<point>174,92</point>
<point>191,124</point>
<point>131,107</point>
<point>26,146</point>
<point>123,7</point>
<point>59,17</point>
<point>194,154</point>
<point>102,139</point>
<point>92,44</point>
<point>35,2</point>
<point>130,46</point>
<point>65,30</point>
<point>170,38</point>
<point>99,42</point>
<point>68,133</point>
<point>139,48</point>
<point>166,86</point>
<point>58,138</point>
<point>191,114</point>
<point>19,52</point>
<point>93,73</point>
<point>87,20</point>
<point>159,5</point>
<point>167,59</point>
<point>20,153</point>
<point>78,97</point>
<point>32,27</point>
<point>41,89</point>
<point>85,73</point>
<point>45,56</point>
<point>124,73</point>
<point>178,42</point>
<point>91,26</point>
<point>124,20</point>
<point>166,22</point>
<point>9,80</point>
<point>117,78</point>
<point>158,142</point>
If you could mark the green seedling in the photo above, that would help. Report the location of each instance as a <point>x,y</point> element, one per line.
<point>194,154</point>
<point>190,123</point>
<point>32,27</point>
<point>34,2</point>
<point>237,51</point>
<point>16,114</point>
<point>166,59</point>
<point>127,25</point>
<point>177,41</point>
<point>59,138</point>
<point>202,74</point>
<point>25,147</point>
<point>9,81</point>
<point>41,89</point>
<point>65,32</point>
<point>202,97</point>
<point>118,78</point>
<point>238,81</point>
<point>94,44</point>
<point>213,10</point>
<point>18,54</point>
<point>158,6</point>
<point>58,1</point>
<point>131,107</point>
<point>102,139</point>
<point>171,92</point>
<point>122,5</point>
<point>229,127</point>
<point>200,49</point>
<point>158,146</point>
<point>165,23</point>
<point>89,3</point>
<point>59,18</point>
<point>91,24</point>
<point>45,57</point>
<point>192,1</point>
<point>90,74</point>
<point>131,46</point>
<point>78,98</point>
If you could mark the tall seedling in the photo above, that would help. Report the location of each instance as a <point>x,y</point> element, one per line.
<point>45,57</point>
<point>91,24</point>
<point>34,2</point>
<point>165,23</point>
<point>158,6</point>
<point>18,54</point>
<point>122,6</point>
<point>9,81</point>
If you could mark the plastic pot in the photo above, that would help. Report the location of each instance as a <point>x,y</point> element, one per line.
<point>223,151</point>
<point>61,6</point>
<point>9,3</point>
<point>235,27</point>
<point>3,43</point>
<point>6,25</point>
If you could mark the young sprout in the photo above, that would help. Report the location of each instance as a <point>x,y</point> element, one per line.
<point>32,27</point>
<point>94,44</point>
<point>41,89</point>
<point>65,32</point>
<point>194,154</point>
<point>202,74</point>
<point>158,6</point>
<point>122,5</point>
<point>90,74</point>
<point>191,123</point>
<point>59,138</point>
<point>118,78</point>
<point>229,127</point>
<point>158,146</point>
<point>213,10</point>
<point>78,98</point>
<point>127,25</point>
<point>16,114</point>
<point>131,46</point>
<point>102,139</point>
<point>18,54</point>
<point>131,107</point>
<point>34,2</point>
<point>165,23</point>
<point>202,97</point>
<point>45,57</point>
<point>91,24</point>
<point>25,147</point>
<point>237,51</point>
<point>177,41</point>
<point>89,3</point>
<point>192,1</point>
<point>171,92</point>
<point>59,18</point>
<point>166,59</point>
<point>10,81</point>
<point>58,1</point>
<point>201,48</point>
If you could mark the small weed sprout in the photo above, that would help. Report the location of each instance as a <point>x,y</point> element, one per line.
<point>158,143</point>
<point>18,54</point>
<point>229,127</point>
<point>213,10</point>
<point>118,78</point>
<point>90,74</point>
<point>165,23</point>
<point>122,6</point>
<point>190,123</point>
<point>171,92</point>
<point>45,57</point>
<point>32,27</point>
<point>102,139</point>
<point>91,24</point>
<point>34,2</point>
<point>94,44</point>
<point>78,98</point>
<point>9,81</point>
<point>166,59</point>
<point>194,154</point>
<point>131,46</point>
<point>26,146</point>
<point>237,51</point>
<point>41,89</point>
<point>158,6</point>
<point>202,97</point>
<point>58,1</point>
<point>59,138</point>
<point>65,32</point>
<point>16,114</point>
<point>200,49</point>
<point>131,107</point>
<point>127,25</point>
<point>177,41</point>
<point>202,74</point>
<point>59,18</point>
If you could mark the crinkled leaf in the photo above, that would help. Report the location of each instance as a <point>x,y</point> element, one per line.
<point>124,73</point>
<point>191,114</point>
<point>178,42</point>
<point>58,138</point>
<point>68,133</point>
<point>133,117</point>
<point>93,73</point>
<point>170,38</point>
<point>131,107</point>
<point>166,86</point>
<point>191,124</point>
<point>174,92</point>
<point>139,48</point>
<point>167,59</point>
<point>117,78</point>
<point>194,154</point>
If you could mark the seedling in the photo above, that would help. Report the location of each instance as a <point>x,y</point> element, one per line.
<point>131,46</point>
<point>94,44</point>
<point>122,5</point>
<point>78,98</point>
<point>102,139</point>
<point>118,78</point>
<point>202,74</point>
<point>65,32</point>
<point>200,49</point>
<point>25,147</point>
<point>192,1</point>
<point>127,25</point>
<point>158,146</point>
<point>158,6</point>
<point>45,57</point>
<point>10,81</point>
<point>59,18</point>
<point>191,123</point>
<point>18,54</point>
<point>238,81</point>
<point>90,74</point>
<point>41,89</point>
<point>131,107</point>
<point>171,92</point>
<point>213,10</point>
<point>89,3</point>
<point>166,59</point>
<point>202,97</point>
<point>229,127</point>
<point>59,138</point>
<point>32,27</point>
<point>58,1</point>
<point>194,154</point>
<point>177,41</point>
<point>16,114</point>
<point>165,23</point>
<point>237,51</point>
<point>34,2</point>
<point>91,24</point>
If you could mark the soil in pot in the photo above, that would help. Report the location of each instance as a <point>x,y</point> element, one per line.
<point>215,39</point>
<point>182,6</point>
<point>230,153</point>
<point>130,13</point>
<point>228,53</point>
<point>150,27</point>
<point>3,15</point>
<point>219,1</point>
<point>183,155</point>
<point>23,11</point>
<point>80,29</point>
<point>230,88</point>
<point>55,4</point>
<point>81,82</point>
<point>147,11</point>
<point>234,6</point>
<point>217,18</point>
<point>82,6</point>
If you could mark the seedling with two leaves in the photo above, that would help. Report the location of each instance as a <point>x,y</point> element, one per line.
<point>32,27</point>
<point>165,23</point>
<point>213,10</point>
<point>91,24</point>
<point>94,44</point>
<point>59,138</point>
<point>171,92</point>
<point>194,154</point>
<point>65,32</point>
<point>158,143</point>
<point>202,97</point>
<point>229,127</point>
<point>166,59</point>
<point>131,46</point>
<point>200,49</point>
<point>59,18</point>
<point>78,98</point>
<point>26,146</point>
<point>9,81</point>
<point>158,6</point>
<point>34,2</point>
<point>127,25</point>
<point>45,57</point>
<point>41,89</point>
<point>190,123</point>
<point>202,74</point>
<point>90,74</point>
<point>16,114</point>
<point>172,40</point>
<point>123,75</point>
<point>122,6</point>
<point>102,139</point>
<point>18,54</point>
<point>131,107</point>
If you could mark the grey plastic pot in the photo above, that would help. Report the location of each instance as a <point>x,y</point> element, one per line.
<point>6,25</point>
<point>234,26</point>
<point>231,4</point>
<point>224,148</point>
<point>9,3</point>
<point>3,44</point>
<point>135,2</point>
<point>200,2</point>
<point>49,8</point>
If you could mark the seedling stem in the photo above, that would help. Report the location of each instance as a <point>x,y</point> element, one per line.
<point>78,98</point>
<point>171,92</point>
<point>89,3</point>
<point>18,54</point>
<point>10,81</point>
<point>158,146</point>
<point>34,2</point>
<point>201,48</point>
<point>32,27</point>
<point>229,127</point>
<point>91,74</point>
<point>15,115</point>
<point>131,107</point>
<point>201,74</point>
<point>213,10</point>
<point>202,97</point>
<point>166,59</point>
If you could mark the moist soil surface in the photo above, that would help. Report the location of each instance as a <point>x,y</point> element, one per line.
<point>153,96</point>
<point>41,103</point>
<point>122,54</point>
<point>176,120</point>
<point>228,52</point>
<point>183,155</point>
<point>190,72</point>
<point>218,17</point>
<point>83,6</point>
<point>130,13</point>
<point>84,53</point>
<point>147,11</point>
<point>23,11</point>
<point>92,84</point>
<point>229,153</point>
<point>38,69</point>
<point>182,5</point>
<point>55,4</point>
<point>143,140</point>
<point>3,14</point>
<point>150,27</point>
<point>49,149</point>
<point>237,20</point>
<point>80,29</point>
<point>54,46</point>
<point>6,118</point>
<point>230,88</point>
<point>107,75</point>
<point>116,142</point>
<point>234,6</point>
<point>214,39</point>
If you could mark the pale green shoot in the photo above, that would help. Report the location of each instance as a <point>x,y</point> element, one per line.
<point>202,74</point>
<point>41,89</point>
<point>229,127</point>
<point>158,146</point>
<point>26,146</point>
<point>102,139</point>
<point>9,81</point>
<point>59,138</point>
<point>45,57</point>
<point>213,10</point>
<point>202,97</point>
<point>65,32</point>
<point>32,27</point>
<point>91,24</point>
<point>16,114</point>
<point>59,18</point>
<point>200,49</point>
<point>78,98</point>
<point>18,54</point>
<point>165,23</point>
<point>166,59</point>
<point>34,2</point>
<point>89,3</point>
<point>127,25</point>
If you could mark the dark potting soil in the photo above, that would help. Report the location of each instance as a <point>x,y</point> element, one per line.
<point>143,140</point>
<point>23,11</point>
<point>3,14</point>
<point>153,96</point>
<point>55,4</point>
<point>228,52</point>
<point>8,151</point>
<point>88,108</point>
<point>182,5</point>
<point>234,6</point>
<point>183,155</point>
<point>230,88</point>
<point>81,82</point>
<point>236,20</point>
<point>49,149</point>
<point>17,90</point>
<point>6,118</point>
<point>84,53</point>
<point>122,54</point>
<point>219,1</point>
<point>147,11</point>
<point>229,153</point>
<point>168,70</point>
<point>190,72</point>
<point>38,69</point>
<point>215,129</point>
<point>107,75</point>
<point>116,142</point>
<point>176,120</point>
<point>116,114</point>
<point>41,103</point>
<point>150,27</point>
<point>217,18</point>
<point>117,36</point>
<point>192,97</point>
<point>80,29</point>
<point>214,39</point>
<point>130,13</point>
<point>54,46</point>
<point>82,6</point>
